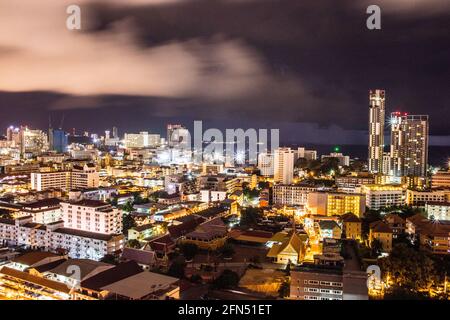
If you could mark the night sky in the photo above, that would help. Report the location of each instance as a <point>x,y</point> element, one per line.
<point>303,66</point>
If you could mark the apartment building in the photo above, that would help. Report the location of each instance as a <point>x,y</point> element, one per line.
<point>438,210</point>
<point>79,177</point>
<point>292,195</point>
<point>43,211</point>
<point>92,215</point>
<point>317,282</point>
<point>55,237</point>
<point>336,203</point>
<point>440,179</point>
<point>383,196</point>
<point>420,198</point>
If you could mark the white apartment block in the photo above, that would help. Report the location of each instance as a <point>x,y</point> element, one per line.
<point>142,140</point>
<point>284,165</point>
<point>212,196</point>
<point>438,210</point>
<point>292,195</point>
<point>307,154</point>
<point>43,211</point>
<point>416,198</point>
<point>265,164</point>
<point>92,215</point>
<point>79,177</point>
<point>52,237</point>
<point>383,196</point>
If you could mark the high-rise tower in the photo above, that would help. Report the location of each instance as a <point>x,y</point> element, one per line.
<point>409,144</point>
<point>376,130</point>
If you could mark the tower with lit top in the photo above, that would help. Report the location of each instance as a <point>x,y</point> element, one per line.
<point>376,130</point>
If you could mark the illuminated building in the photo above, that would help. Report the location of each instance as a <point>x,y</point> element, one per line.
<point>351,226</point>
<point>58,140</point>
<point>409,144</point>
<point>291,195</point>
<point>306,154</point>
<point>438,210</point>
<point>176,135</point>
<point>142,140</point>
<point>92,215</point>
<point>327,282</point>
<point>329,229</point>
<point>440,179</point>
<point>290,250</point>
<point>343,160</point>
<point>381,231</point>
<point>79,177</point>
<point>420,198</point>
<point>265,164</point>
<point>54,236</point>
<point>209,235</point>
<point>43,211</point>
<point>383,196</point>
<point>32,142</point>
<point>353,181</point>
<point>336,203</point>
<point>376,130</point>
<point>283,165</point>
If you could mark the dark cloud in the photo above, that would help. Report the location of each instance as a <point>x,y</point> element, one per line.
<point>303,61</point>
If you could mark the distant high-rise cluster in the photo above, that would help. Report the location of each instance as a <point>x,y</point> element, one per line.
<point>408,154</point>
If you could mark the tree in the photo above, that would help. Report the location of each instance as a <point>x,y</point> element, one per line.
<point>189,250</point>
<point>227,280</point>
<point>127,223</point>
<point>409,268</point>
<point>109,258</point>
<point>196,278</point>
<point>128,207</point>
<point>284,290</point>
<point>376,248</point>
<point>177,268</point>
<point>227,250</point>
<point>250,216</point>
<point>133,243</point>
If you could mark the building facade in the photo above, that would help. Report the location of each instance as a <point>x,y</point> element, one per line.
<point>376,130</point>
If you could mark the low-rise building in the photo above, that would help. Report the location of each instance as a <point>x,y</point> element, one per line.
<point>351,226</point>
<point>336,203</point>
<point>54,236</point>
<point>383,196</point>
<point>322,282</point>
<point>380,231</point>
<point>438,210</point>
<point>292,195</point>
<point>209,235</point>
<point>420,198</point>
<point>43,211</point>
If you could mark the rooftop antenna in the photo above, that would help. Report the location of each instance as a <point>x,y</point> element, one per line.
<point>62,122</point>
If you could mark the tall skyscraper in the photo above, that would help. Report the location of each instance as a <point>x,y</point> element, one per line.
<point>376,130</point>
<point>58,140</point>
<point>283,164</point>
<point>115,133</point>
<point>409,144</point>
